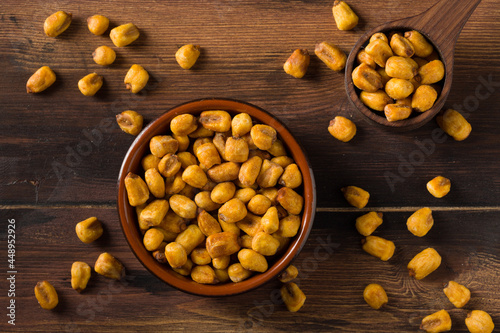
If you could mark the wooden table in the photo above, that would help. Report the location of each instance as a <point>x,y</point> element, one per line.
<point>61,153</point>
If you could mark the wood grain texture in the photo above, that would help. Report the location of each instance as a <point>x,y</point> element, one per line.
<point>61,153</point>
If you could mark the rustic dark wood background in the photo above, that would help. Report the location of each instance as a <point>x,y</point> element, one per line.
<point>244,45</point>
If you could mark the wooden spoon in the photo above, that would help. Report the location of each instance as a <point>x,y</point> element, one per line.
<point>441,24</point>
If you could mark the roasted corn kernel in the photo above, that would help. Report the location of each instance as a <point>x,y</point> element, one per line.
<point>366,78</point>
<point>43,78</point>
<point>176,255</point>
<point>186,269</point>
<point>222,244</point>
<point>98,24</point>
<point>130,122</point>
<point>331,55</point>
<point>290,273</point>
<point>384,76</point>
<point>344,16</point>
<point>431,72</point>
<point>124,34</point>
<point>424,97</point>
<point>439,186</point>
<point>183,124</point>
<point>46,295</point>
<point>57,23</point>
<point>250,225</point>
<point>136,79</point>
<point>270,222</point>
<point>216,120</point>
<point>437,322</point>
<point>152,239</point>
<point>162,145</point>
<point>232,211</point>
<point>250,170</point>
<point>155,182</point>
<point>379,35</point>
<point>424,263</point>
<point>457,294</point>
<point>263,136</point>
<point>223,192</point>
<point>241,124</point>
<point>342,128</point>
<point>380,51</point>
<point>398,88</point>
<point>356,196</point>
<point>236,150</point>
<point>269,174</point>
<point>402,46</point>
<point>252,260</point>
<point>208,224</point>
<point>187,55</point>
<point>420,222</point>
<point>364,57</point>
<point>200,256</point>
<point>208,155</point>
<point>89,230</point>
<point>375,296</point>
<point>290,200</point>
<point>204,275</point>
<point>109,266</point>
<point>183,206</point>
<point>221,262</point>
<point>194,176</point>
<point>292,296</point>
<point>224,172</point>
<point>478,321</point>
<point>204,201</point>
<point>368,223</point>
<point>190,238</point>
<point>90,84</point>
<point>297,64</point>
<point>154,212</point>
<point>137,190</point>
<point>80,275</point>
<point>265,244</point>
<point>104,55</point>
<point>289,226</point>
<point>169,165</point>
<point>379,247</point>
<point>395,112</point>
<point>401,67</point>
<point>291,177</point>
<point>454,124</point>
<point>201,132</point>
<point>420,44</point>
<point>375,100</point>
<point>238,273</point>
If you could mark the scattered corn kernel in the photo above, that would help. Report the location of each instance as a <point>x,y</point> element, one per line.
<point>344,16</point>
<point>368,223</point>
<point>89,230</point>
<point>90,84</point>
<point>457,294</point>
<point>124,34</point>
<point>297,64</point>
<point>130,122</point>
<point>80,275</point>
<point>342,128</point>
<point>424,263</point>
<point>379,247</point>
<point>439,186</point>
<point>290,273</point>
<point>43,78</point>
<point>46,295</point>
<point>136,79</point>
<point>437,322</point>
<point>98,24</point>
<point>420,222</point>
<point>292,296</point>
<point>331,55</point>
<point>187,55</point>
<point>375,296</point>
<point>454,124</point>
<point>478,321</point>
<point>104,55</point>
<point>57,23</point>
<point>356,196</point>
<point>109,266</point>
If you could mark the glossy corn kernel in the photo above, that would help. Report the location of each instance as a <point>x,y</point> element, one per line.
<point>263,136</point>
<point>290,273</point>
<point>457,294</point>
<point>109,266</point>
<point>259,204</point>
<point>366,78</point>
<point>420,222</point>
<point>379,35</point>
<point>136,79</point>
<point>291,177</point>
<point>384,76</point>
<point>375,296</point>
<point>269,174</point>
<point>424,263</point>
<point>454,124</point>
<point>265,244</point>
<point>155,182</point>
<point>437,322</point>
<point>236,150</point>
<point>478,321</point>
<point>204,274</point>
<point>402,46</point>
<point>238,273</point>
<point>420,44</point>
<point>331,55</point>
<point>46,295</point>
<point>89,230</point>
<point>152,239</point>
<point>216,120</point>
<point>80,275</point>
<point>439,186</point>
<point>98,24</point>
<point>423,98</point>
<point>344,16</point>
<point>104,55</point>
<point>375,100</point>
<point>379,247</point>
<point>43,78</point>
<point>207,154</point>
<point>356,196</point>
<point>292,296</point>
<point>162,145</point>
<point>208,224</point>
<point>241,124</point>
<point>186,269</point>
<point>290,200</point>
<point>130,122</point>
<point>195,176</point>
<point>204,201</point>
<point>368,223</point>
<point>176,255</point>
<point>395,112</point>
<point>224,172</point>
<point>289,226</point>
<point>252,260</point>
<point>270,220</point>
<point>363,57</point>
<point>89,85</point>
<point>183,124</point>
<point>222,244</point>
<point>399,88</point>
<point>431,72</point>
<point>232,211</point>
<point>342,128</point>
<point>380,51</point>
<point>57,23</point>
<point>124,34</point>
<point>187,55</point>
<point>154,212</point>
<point>190,238</point>
<point>401,67</point>
<point>200,256</point>
<point>297,64</point>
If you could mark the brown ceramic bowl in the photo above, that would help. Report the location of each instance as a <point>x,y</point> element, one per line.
<point>128,217</point>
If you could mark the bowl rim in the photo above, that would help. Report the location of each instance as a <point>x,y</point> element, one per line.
<point>128,221</point>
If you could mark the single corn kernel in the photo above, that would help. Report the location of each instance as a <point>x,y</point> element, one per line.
<point>190,238</point>
<point>224,172</point>
<point>124,34</point>
<point>457,294</point>
<point>292,296</point>
<point>290,200</point>
<point>402,46</point>
<point>259,204</point>
<point>57,23</point>
<point>154,213</point>
<point>43,78</point>
<point>263,136</point>
<point>207,154</point>
<point>356,196</point>
<point>130,122</point>
<point>478,321</point>
<point>342,128</point>
<point>375,296</point>
<point>195,176</point>
<point>80,275</point>
<point>290,273</point>
<point>344,16</point>
<point>104,55</point>
<point>152,239</point>
<point>437,322</point>
<point>236,150</point>
<point>420,222</point>
<point>439,186</point>
<point>89,230</point>
<point>265,244</point>
<point>183,124</point>
<point>454,124</point>
<point>431,72</point>
<point>379,247</point>
<point>169,165</point>
<point>252,260</point>
<point>109,266</point>
<point>375,100</point>
<point>222,244</point>
<point>424,263</point>
<point>297,64</point>
<point>291,177</point>
<point>176,255</point>
<point>183,206</point>
<point>420,44</point>
<point>379,35</point>
<point>46,295</point>
<point>89,85</point>
<point>204,275</point>
<point>186,269</point>
<point>222,275</point>
<point>216,120</point>
<point>232,211</point>
<point>363,57</point>
<point>162,145</point>
<point>241,124</point>
<point>331,55</point>
<point>187,55</point>
<point>380,51</point>
<point>136,79</point>
<point>401,67</point>
<point>398,88</point>
<point>200,256</point>
<point>424,97</point>
<point>366,78</point>
<point>368,223</point>
<point>395,112</point>
<point>238,273</point>
<point>98,24</point>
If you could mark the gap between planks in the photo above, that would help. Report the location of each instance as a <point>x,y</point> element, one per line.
<point>318,209</point>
